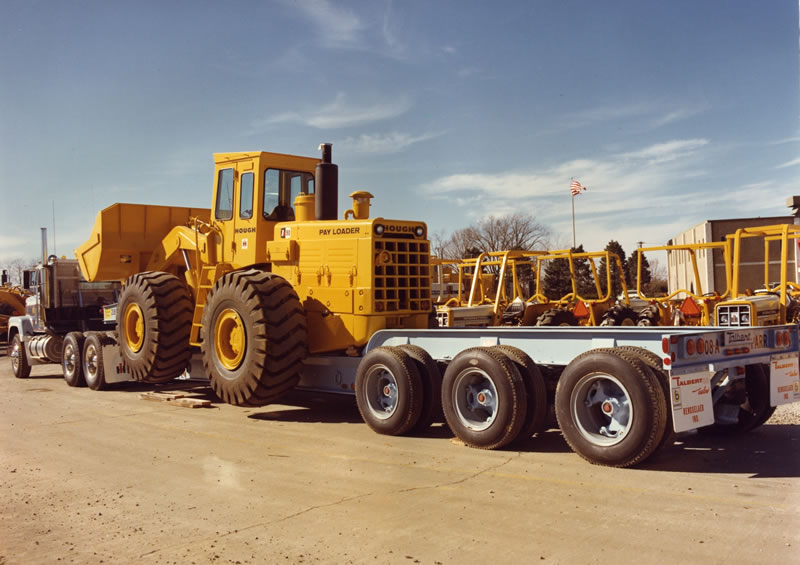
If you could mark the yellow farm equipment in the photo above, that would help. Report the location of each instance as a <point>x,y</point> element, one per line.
<point>692,306</point>
<point>12,303</point>
<point>778,300</point>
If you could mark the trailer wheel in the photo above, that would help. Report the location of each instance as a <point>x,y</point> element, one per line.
<point>71,359</point>
<point>431,387</point>
<point>254,337</point>
<point>484,400</point>
<point>535,391</point>
<point>654,363</point>
<point>557,317</point>
<point>753,404</point>
<point>610,408</point>
<point>154,321</point>
<point>389,391</point>
<point>619,315</point>
<point>93,369</point>
<point>19,361</point>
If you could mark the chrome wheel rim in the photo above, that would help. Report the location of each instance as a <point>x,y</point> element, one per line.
<point>602,409</point>
<point>475,399</point>
<point>382,395</point>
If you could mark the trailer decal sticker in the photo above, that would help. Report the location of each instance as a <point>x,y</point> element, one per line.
<point>692,405</point>
<point>784,379</point>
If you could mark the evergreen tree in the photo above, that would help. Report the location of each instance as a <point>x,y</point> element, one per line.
<point>616,275</point>
<point>646,275</point>
<point>583,274</point>
<point>557,280</point>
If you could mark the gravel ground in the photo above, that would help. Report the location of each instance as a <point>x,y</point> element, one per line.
<point>787,415</point>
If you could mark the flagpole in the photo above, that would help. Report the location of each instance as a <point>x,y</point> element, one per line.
<point>573,221</point>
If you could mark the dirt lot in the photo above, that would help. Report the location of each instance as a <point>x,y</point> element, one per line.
<point>105,477</point>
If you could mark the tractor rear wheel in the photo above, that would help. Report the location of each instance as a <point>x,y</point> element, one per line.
<point>153,321</point>
<point>557,317</point>
<point>619,315</point>
<point>254,337</point>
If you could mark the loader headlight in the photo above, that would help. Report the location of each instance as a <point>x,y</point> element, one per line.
<point>379,229</point>
<point>745,318</point>
<point>723,319</point>
<point>419,232</point>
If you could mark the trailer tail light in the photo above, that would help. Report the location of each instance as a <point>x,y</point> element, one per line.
<point>779,339</point>
<point>690,347</point>
<point>664,345</point>
<point>701,346</point>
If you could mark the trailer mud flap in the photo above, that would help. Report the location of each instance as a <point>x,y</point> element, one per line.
<point>692,403</point>
<point>784,379</point>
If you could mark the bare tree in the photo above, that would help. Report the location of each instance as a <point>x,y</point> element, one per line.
<point>14,268</point>
<point>513,231</point>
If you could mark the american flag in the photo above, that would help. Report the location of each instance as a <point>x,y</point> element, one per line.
<point>576,187</point>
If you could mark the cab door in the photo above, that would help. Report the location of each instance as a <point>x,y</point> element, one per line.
<point>245,220</point>
<point>234,213</point>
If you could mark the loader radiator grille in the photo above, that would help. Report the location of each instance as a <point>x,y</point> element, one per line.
<point>402,275</point>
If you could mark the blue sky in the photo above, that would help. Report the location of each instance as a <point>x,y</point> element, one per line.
<point>669,112</point>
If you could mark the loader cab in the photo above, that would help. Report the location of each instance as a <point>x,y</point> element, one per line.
<point>253,192</point>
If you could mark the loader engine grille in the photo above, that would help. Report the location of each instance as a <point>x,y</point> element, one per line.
<point>402,275</point>
<point>733,316</point>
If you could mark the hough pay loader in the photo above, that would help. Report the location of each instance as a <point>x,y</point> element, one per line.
<point>261,281</point>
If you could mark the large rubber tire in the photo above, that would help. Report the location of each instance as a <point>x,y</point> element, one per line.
<point>389,391</point>
<point>655,364</point>
<point>595,386</point>
<point>93,368</point>
<point>71,359</point>
<point>154,318</point>
<point>754,411</point>
<point>619,315</point>
<point>431,387</point>
<point>557,317</point>
<point>484,399</point>
<point>19,360</point>
<point>648,316</point>
<point>535,391</point>
<point>254,337</point>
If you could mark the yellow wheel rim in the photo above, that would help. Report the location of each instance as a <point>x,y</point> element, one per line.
<point>229,339</point>
<point>134,327</point>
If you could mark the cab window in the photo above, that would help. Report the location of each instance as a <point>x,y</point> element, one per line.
<point>246,196</point>
<point>224,209</point>
<point>280,189</point>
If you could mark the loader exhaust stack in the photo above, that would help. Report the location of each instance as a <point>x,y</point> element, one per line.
<point>326,186</point>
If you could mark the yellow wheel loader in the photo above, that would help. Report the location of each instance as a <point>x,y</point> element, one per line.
<point>261,282</point>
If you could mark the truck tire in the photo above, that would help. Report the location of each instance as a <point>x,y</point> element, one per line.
<point>154,321</point>
<point>484,399</point>
<point>71,359</point>
<point>535,391</point>
<point>654,363</point>
<point>389,391</point>
<point>431,387</point>
<point>94,371</point>
<point>557,317</point>
<point>610,409</point>
<point>754,411</point>
<point>254,337</point>
<point>19,360</point>
<point>619,315</point>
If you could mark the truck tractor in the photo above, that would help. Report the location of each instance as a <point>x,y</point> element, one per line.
<point>62,318</point>
<point>262,282</point>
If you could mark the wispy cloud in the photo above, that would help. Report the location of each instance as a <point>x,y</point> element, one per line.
<point>342,113</point>
<point>792,163</point>
<point>677,115</point>
<point>394,142</point>
<point>787,140</point>
<point>651,113</point>
<point>338,27</point>
<point>669,151</point>
<point>449,49</point>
